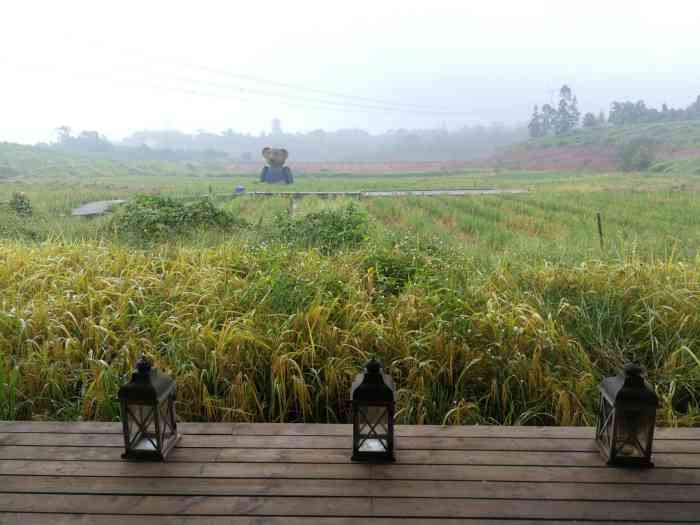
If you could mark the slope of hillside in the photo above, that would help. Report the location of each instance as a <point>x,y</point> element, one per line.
<point>595,149</point>
<point>17,161</point>
<point>672,135</point>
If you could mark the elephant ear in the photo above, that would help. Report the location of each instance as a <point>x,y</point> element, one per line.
<point>266,153</point>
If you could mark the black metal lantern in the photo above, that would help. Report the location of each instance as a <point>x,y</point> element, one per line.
<point>372,396</point>
<point>626,419</point>
<point>148,414</point>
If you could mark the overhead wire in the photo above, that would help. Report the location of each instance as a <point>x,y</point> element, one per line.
<point>350,101</point>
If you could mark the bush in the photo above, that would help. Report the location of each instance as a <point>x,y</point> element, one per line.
<point>20,204</point>
<point>327,230</point>
<point>155,217</point>
<point>637,154</point>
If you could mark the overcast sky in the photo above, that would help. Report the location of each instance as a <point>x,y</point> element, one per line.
<point>122,66</point>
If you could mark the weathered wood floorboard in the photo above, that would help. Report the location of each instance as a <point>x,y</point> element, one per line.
<point>340,456</point>
<point>106,519</point>
<point>65,473</point>
<point>219,441</point>
<point>314,429</point>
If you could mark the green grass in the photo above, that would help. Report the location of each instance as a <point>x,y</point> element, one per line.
<point>671,134</point>
<point>492,309</point>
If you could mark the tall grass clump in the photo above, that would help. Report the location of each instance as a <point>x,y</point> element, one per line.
<point>329,230</point>
<point>256,333</point>
<point>154,217</point>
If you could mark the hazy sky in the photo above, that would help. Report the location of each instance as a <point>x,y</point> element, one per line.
<point>121,66</point>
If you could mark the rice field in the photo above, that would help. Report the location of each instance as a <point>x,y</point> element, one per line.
<point>500,309</point>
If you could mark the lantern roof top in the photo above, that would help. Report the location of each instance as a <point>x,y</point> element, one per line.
<point>373,384</point>
<point>147,384</point>
<point>629,386</point>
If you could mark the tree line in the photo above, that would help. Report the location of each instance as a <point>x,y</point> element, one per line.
<point>563,118</point>
<point>566,116</point>
<point>638,113</point>
<point>319,145</point>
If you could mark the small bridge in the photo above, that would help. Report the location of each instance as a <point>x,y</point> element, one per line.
<point>457,192</point>
<point>93,209</point>
<point>301,474</point>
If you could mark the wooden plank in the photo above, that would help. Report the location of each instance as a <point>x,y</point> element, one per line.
<point>196,455</point>
<point>350,488</point>
<point>188,505</point>
<point>105,519</point>
<point>39,439</point>
<point>203,470</point>
<point>355,507</point>
<point>519,432</point>
<point>673,476</point>
<point>97,427</point>
<point>318,429</point>
<point>341,456</point>
<point>532,509</point>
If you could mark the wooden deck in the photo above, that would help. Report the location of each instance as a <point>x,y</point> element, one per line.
<point>58,473</point>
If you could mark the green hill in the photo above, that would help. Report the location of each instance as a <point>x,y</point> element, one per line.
<point>675,148</point>
<point>18,161</point>
<point>675,135</point>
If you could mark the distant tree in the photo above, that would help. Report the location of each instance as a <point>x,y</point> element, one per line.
<point>590,121</point>
<point>565,93</point>
<point>628,112</point>
<point>63,133</point>
<point>575,114</point>
<point>549,117</point>
<point>601,118</point>
<point>567,114</point>
<point>694,109</point>
<point>535,126</point>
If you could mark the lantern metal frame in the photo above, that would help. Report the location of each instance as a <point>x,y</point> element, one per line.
<point>148,414</point>
<point>627,410</point>
<point>373,389</point>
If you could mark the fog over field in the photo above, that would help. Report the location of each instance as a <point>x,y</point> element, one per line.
<point>123,67</point>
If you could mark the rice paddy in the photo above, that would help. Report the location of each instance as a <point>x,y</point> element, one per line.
<point>496,309</point>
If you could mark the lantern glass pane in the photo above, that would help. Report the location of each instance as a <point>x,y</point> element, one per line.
<point>143,433</point>
<point>633,432</point>
<point>373,429</point>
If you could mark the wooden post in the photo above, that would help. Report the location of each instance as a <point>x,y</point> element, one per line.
<point>292,205</point>
<point>600,229</point>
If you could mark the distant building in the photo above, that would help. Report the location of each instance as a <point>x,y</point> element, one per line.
<point>276,126</point>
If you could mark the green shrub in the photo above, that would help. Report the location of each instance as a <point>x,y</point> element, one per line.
<point>637,155</point>
<point>391,269</point>
<point>155,217</point>
<point>20,204</point>
<point>328,230</point>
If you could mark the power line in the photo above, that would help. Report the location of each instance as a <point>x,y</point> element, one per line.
<point>382,102</point>
<point>363,102</point>
<point>306,103</point>
<point>314,100</point>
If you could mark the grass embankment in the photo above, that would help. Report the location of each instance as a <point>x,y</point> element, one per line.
<point>255,333</point>
<point>671,134</point>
